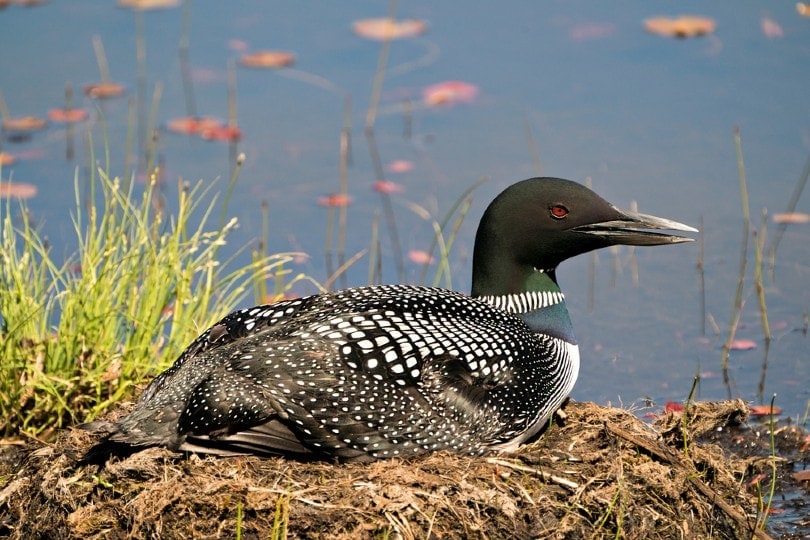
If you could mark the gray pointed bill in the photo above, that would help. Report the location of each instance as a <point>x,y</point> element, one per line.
<point>634,229</point>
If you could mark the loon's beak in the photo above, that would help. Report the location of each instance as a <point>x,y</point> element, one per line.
<point>633,229</point>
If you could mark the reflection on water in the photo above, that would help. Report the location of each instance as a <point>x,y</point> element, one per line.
<point>575,89</point>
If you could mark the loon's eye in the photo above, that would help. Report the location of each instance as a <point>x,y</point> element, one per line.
<point>558,211</point>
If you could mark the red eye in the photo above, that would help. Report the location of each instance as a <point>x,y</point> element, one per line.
<point>558,211</point>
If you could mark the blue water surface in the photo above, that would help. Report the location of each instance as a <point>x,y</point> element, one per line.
<point>645,118</point>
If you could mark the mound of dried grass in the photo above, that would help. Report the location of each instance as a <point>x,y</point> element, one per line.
<point>603,472</point>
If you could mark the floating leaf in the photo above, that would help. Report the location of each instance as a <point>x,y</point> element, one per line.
<point>143,5</point>
<point>771,28</point>
<point>420,257</point>
<point>386,186</point>
<point>24,124</point>
<point>399,166</point>
<point>208,128</point>
<point>6,159</point>
<point>386,29</point>
<point>238,45</point>
<point>680,27</point>
<point>763,410</point>
<point>742,345</point>
<point>449,93</point>
<point>104,90</point>
<point>221,133</point>
<point>673,406</point>
<point>17,190</point>
<point>26,3</point>
<point>335,200</point>
<point>267,59</point>
<point>193,126</point>
<point>791,217</point>
<point>68,116</point>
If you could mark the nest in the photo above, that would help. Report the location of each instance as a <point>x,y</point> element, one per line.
<point>600,472</point>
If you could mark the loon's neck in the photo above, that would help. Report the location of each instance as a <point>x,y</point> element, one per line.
<point>541,305</point>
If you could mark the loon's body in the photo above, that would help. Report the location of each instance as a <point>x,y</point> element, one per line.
<point>376,372</point>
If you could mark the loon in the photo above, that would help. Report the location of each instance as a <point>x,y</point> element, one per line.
<point>385,371</point>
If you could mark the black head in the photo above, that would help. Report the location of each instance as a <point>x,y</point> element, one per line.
<point>538,223</point>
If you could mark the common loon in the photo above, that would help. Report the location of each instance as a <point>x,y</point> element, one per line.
<point>376,372</point>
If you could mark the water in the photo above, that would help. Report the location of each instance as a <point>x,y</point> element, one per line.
<point>647,118</point>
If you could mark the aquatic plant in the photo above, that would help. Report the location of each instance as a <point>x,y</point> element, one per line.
<point>77,334</point>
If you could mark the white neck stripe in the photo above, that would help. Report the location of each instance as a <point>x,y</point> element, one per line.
<point>525,301</point>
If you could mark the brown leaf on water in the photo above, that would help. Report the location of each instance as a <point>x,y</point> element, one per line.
<point>24,124</point>
<point>189,125</point>
<point>335,200</point>
<point>68,116</point>
<point>16,190</point>
<point>791,217</point>
<point>222,133</point>
<point>399,166</point>
<point>144,5</point>
<point>386,29</point>
<point>238,45</point>
<point>674,407</point>
<point>763,410</point>
<point>6,159</point>
<point>419,256</point>
<point>209,129</point>
<point>449,93</point>
<point>387,186</point>
<point>104,90</point>
<point>267,59</point>
<point>680,27</point>
<point>771,28</point>
<point>742,345</point>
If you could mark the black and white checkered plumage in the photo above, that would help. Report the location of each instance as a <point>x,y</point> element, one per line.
<point>377,372</point>
<point>367,372</point>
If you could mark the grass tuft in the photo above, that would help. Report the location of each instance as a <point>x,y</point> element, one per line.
<point>78,334</point>
<point>281,517</point>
